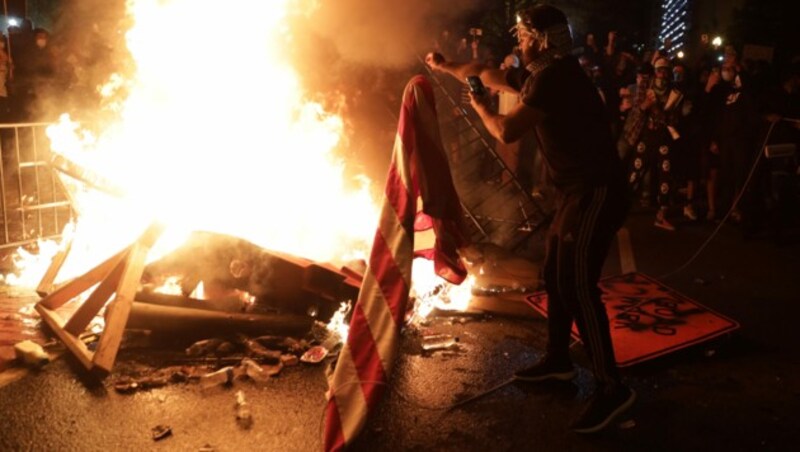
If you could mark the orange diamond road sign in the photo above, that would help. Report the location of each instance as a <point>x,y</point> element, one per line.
<point>649,319</point>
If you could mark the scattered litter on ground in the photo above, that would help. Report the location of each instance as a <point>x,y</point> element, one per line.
<point>137,377</point>
<point>218,362</point>
<point>289,360</point>
<point>243,415</point>
<point>255,348</point>
<point>436,342</point>
<point>284,344</point>
<point>222,377</point>
<point>259,373</point>
<point>314,355</point>
<point>204,347</point>
<point>29,311</point>
<point>161,431</point>
<point>89,338</point>
<point>31,354</point>
<point>127,386</point>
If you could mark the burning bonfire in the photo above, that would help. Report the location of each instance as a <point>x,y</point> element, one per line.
<point>256,215</point>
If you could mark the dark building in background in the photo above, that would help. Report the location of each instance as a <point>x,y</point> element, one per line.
<point>674,24</point>
<point>41,13</point>
<point>735,22</point>
<point>16,8</point>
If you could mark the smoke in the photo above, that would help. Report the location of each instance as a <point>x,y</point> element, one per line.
<point>358,54</point>
<point>88,44</point>
<point>384,33</point>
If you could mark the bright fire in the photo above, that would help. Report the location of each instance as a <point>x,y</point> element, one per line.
<point>432,292</point>
<point>214,133</point>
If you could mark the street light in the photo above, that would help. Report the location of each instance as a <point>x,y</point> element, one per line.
<point>717,41</point>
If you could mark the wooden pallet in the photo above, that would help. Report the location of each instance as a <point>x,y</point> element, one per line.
<point>117,277</point>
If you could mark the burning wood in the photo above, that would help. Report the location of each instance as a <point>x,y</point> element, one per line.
<point>83,175</point>
<point>229,267</point>
<point>288,294</point>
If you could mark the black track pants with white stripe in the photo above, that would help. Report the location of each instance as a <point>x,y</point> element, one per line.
<point>579,239</point>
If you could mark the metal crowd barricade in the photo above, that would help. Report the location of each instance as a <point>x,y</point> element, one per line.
<point>503,212</point>
<point>34,203</point>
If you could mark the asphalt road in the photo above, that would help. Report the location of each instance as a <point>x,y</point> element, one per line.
<point>740,392</point>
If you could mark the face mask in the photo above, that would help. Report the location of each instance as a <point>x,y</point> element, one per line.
<point>727,75</point>
<point>40,43</point>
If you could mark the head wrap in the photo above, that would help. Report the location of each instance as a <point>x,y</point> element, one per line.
<point>548,26</point>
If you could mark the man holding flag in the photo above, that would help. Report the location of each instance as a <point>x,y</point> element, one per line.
<point>561,105</point>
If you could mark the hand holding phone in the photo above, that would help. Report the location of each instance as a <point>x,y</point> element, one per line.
<point>476,86</point>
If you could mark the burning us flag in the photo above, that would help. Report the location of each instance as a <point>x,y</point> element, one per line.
<point>419,169</point>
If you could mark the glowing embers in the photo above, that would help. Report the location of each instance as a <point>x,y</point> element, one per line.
<point>239,277</point>
<point>496,279</point>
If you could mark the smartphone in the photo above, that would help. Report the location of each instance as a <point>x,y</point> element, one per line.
<point>476,85</point>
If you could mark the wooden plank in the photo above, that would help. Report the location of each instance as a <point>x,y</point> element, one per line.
<point>149,237</point>
<point>119,309</point>
<point>46,284</point>
<point>84,282</point>
<point>89,309</point>
<point>73,344</point>
<point>198,322</point>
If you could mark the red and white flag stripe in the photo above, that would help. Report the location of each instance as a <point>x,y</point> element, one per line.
<point>419,169</point>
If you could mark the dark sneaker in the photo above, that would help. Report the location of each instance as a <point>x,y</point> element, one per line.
<point>602,408</point>
<point>688,212</point>
<point>547,369</point>
<point>664,224</point>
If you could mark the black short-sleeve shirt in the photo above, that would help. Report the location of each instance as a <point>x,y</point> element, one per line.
<point>575,134</point>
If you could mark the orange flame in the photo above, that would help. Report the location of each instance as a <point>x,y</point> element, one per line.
<point>214,133</point>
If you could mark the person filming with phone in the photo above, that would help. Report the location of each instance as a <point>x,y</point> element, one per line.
<point>562,106</point>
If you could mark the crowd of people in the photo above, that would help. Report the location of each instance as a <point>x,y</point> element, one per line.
<point>27,70</point>
<point>609,123</point>
<point>688,127</point>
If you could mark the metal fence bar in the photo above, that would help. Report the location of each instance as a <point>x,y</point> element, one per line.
<point>55,184</point>
<point>41,207</point>
<point>36,180</point>
<point>40,199</point>
<point>485,203</point>
<point>19,184</point>
<point>6,238</point>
